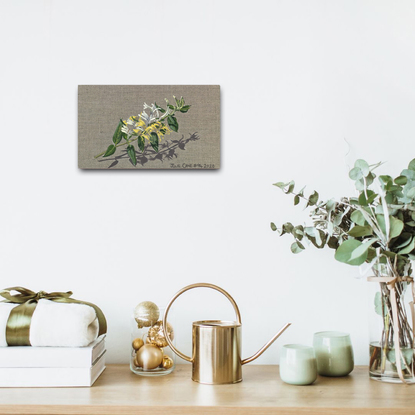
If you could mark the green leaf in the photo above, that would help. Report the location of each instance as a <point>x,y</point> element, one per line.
<point>363,249</point>
<point>396,227</point>
<point>411,193</point>
<point>353,252</point>
<point>177,101</point>
<point>406,354</point>
<point>404,240</point>
<point>319,240</point>
<point>371,196</point>
<point>401,180</point>
<point>141,143</point>
<point>273,227</point>
<point>359,231</point>
<point>409,248</point>
<point>330,205</point>
<point>409,173</point>
<point>363,166</point>
<point>298,232</point>
<point>287,228</point>
<point>154,141</point>
<point>355,173</point>
<point>297,247</point>
<point>296,200</point>
<point>281,185</point>
<point>160,109</point>
<point>313,199</point>
<point>385,181</point>
<point>173,124</point>
<point>170,106</point>
<point>357,218</point>
<point>185,108</point>
<point>110,151</point>
<point>411,165</point>
<point>131,154</point>
<point>117,137</point>
<point>371,254</point>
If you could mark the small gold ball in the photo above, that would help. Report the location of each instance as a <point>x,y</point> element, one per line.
<point>137,343</point>
<point>167,362</point>
<point>149,356</point>
<point>156,334</point>
<point>146,314</point>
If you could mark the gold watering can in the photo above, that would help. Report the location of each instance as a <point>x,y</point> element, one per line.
<point>216,357</point>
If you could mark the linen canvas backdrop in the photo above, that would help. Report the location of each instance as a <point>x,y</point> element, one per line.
<point>196,145</point>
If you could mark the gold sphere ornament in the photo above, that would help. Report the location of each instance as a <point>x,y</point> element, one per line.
<point>137,343</point>
<point>146,314</point>
<point>149,356</point>
<point>167,362</point>
<point>156,334</point>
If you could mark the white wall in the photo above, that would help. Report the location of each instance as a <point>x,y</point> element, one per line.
<point>297,79</point>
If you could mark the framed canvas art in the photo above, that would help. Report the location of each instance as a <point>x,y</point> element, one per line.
<point>149,127</point>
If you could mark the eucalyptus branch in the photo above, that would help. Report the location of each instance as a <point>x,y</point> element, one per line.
<point>353,225</point>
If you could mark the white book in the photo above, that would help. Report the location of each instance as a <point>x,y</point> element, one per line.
<point>44,377</point>
<point>33,357</point>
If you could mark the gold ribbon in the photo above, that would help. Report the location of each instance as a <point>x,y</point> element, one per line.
<point>390,283</point>
<point>18,324</point>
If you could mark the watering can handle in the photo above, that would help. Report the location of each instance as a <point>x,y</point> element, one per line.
<point>189,287</point>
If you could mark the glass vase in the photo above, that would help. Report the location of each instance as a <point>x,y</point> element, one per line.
<point>150,354</point>
<point>383,354</point>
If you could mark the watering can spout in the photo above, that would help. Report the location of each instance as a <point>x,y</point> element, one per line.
<point>265,347</point>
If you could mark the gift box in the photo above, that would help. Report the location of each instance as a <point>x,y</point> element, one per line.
<point>66,339</point>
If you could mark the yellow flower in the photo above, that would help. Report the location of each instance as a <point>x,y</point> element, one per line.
<point>140,124</point>
<point>158,128</point>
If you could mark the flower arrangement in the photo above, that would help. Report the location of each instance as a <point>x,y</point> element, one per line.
<point>146,128</point>
<point>377,227</point>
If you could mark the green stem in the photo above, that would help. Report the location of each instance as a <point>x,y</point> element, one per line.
<point>118,145</point>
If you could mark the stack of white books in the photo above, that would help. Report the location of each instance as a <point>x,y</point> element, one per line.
<point>52,366</point>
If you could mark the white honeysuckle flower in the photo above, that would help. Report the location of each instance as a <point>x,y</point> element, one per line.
<point>151,107</point>
<point>166,114</point>
<point>125,129</point>
<point>130,122</point>
<point>144,116</point>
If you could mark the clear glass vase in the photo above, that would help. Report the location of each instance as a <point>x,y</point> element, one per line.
<point>150,354</point>
<point>383,364</point>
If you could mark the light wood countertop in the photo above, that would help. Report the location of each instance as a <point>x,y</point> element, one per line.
<point>118,391</point>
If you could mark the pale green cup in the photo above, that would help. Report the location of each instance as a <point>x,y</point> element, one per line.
<point>334,353</point>
<point>298,364</point>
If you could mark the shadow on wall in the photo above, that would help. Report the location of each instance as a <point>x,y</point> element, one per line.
<point>167,151</point>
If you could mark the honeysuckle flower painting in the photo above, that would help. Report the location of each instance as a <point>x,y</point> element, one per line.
<point>163,131</point>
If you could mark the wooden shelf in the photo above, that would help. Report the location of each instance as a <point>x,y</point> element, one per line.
<point>118,391</point>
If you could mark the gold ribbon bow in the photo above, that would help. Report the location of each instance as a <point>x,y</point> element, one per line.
<point>390,283</point>
<point>18,324</point>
